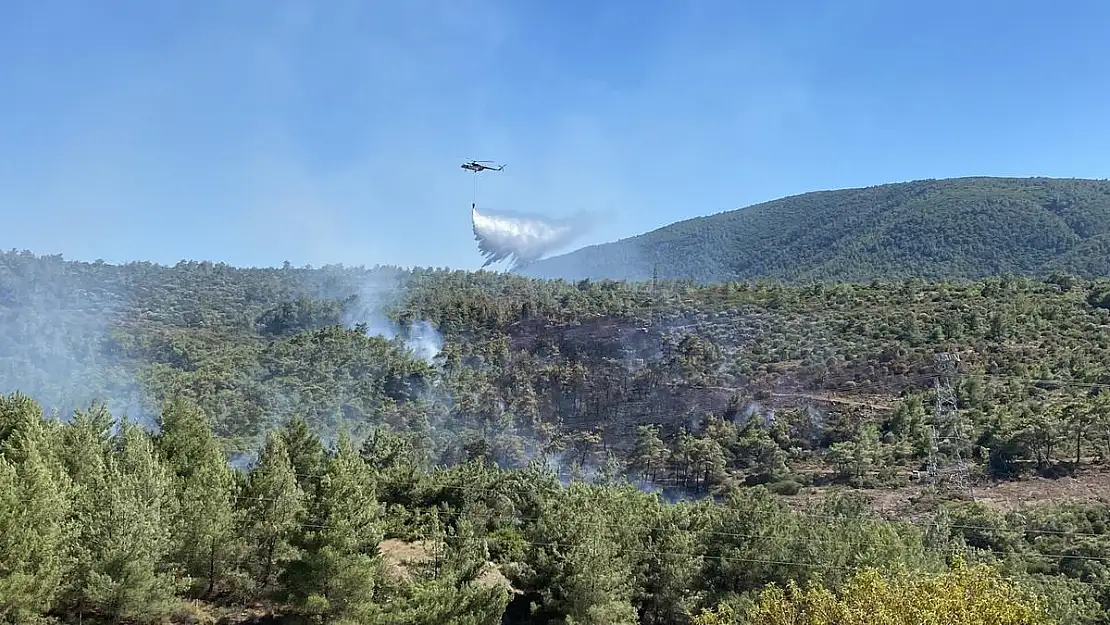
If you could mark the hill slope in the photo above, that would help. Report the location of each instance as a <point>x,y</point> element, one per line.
<point>676,389</point>
<point>954,228</point>
<point>507,364</point>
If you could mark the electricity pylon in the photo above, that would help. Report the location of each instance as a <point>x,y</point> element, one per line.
<point>949,448</point>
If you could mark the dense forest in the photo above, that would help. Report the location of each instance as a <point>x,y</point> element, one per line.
<point>351,445</point>
<point>935,229</point>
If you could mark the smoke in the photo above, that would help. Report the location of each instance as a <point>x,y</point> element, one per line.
<point>424,340</point>
<point>420,337</point>
<point>57,343</point>
<point>521,237</point>
<point>243,460</point>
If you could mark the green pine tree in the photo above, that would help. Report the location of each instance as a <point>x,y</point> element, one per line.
<point>338,574</point>
<point>306,453</point>
<point>87,446</point>
<point>205,540</point>
<point>34,524</point>
<point>274,508</point>
<point>127,576</point>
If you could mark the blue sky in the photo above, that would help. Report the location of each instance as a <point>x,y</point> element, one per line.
<point>258,131</point>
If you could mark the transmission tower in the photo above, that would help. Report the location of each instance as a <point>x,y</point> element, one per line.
<point>653,311</point>
<point>948,448</point>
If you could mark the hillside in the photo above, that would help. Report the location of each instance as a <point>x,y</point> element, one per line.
<point>942,229</point>
<point>517,425</point>
<point>521,367</point>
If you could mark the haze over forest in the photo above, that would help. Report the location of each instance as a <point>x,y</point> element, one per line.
<point>458,406</point>
<point>250,371</point>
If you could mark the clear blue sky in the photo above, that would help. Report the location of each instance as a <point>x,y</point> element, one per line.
<point>258,131</point>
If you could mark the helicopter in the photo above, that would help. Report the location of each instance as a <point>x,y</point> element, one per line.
<point>477,166</point>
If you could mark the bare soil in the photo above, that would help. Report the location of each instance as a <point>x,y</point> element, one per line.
<point>1089,485</point>
<point>399,556</point>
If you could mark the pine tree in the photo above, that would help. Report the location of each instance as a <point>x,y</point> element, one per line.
<point>447,600</point>
<point>306,453</point>
<point>449,587</point>
<point>584,561</point>
<point>86,443</point>
<point>650,454</point>
<point>340,568</point>
<point>274,508</point>
<point>128,534</point>
<point>205,540</point>
<point>670,563</point>
<point>18,414</point>
<point>34,525</point>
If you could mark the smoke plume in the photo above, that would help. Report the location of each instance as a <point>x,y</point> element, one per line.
<point>520,237</point>
<point>420,337</point>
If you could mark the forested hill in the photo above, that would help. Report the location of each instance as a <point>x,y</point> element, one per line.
<point>498,449</point>
<point>954,228</point>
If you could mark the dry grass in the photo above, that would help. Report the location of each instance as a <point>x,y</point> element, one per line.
<point>1090,485</point>
<point>400,556</point>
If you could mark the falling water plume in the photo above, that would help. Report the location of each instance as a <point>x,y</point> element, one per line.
<point>520,237</point>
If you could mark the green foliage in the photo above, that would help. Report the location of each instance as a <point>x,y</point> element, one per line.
<point>736,383</point>
<point>34,510</point>
<point>204,524</point>
<point>274,510</point>
<point>962,596</point>
<point>338,573</point>
<point>125,566</point>
<point>95,531</point>
<point>584,571</point>
<point>445,600</point>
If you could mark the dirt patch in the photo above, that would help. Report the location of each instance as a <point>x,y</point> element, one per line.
<point>880,403</point>
<point>1088,486</point>
<point>399,556</point>
<point>492,576</point>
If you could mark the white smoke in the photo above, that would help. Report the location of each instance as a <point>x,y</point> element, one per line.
<point>421,337</point>
<point>520,237</point>
<point>368,310</point>
<point>424,340</point>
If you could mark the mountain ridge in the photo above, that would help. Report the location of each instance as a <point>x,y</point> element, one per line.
<point>952,228</point>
